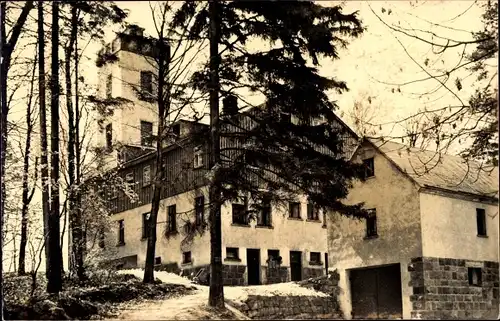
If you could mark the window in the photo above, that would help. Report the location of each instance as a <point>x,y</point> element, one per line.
<point>312,212</point>
<point>146,175</point>
<point>315,258</point>
<point>109,86</point>
<point>369,167</point>
<point>232,253</point>
<point>171,219</point>
<point>239,214</point>
<point>273,258</point>
<point>186,257</point>
<point>371,223</point>
<point>176,129</point>
<point>147,84</point>
<point>294,210</point>
<point>146,133</point>
<point>121,232</point>
<point>285,117</point>
<point>158,260</point>
<point>264,217</point>
<point>475,276</point>
<point>481,222</point>
<point>129,178</point>
<point>109,136</point>
<point>199,205</point>
<point>146,217</point>
<point>198,157</point>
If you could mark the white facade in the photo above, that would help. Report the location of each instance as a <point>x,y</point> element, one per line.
<point>412,223</point>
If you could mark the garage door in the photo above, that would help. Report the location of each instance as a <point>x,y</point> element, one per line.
<point>376,293</point>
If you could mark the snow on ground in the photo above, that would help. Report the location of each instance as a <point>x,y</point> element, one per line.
<point>194,305</point>
<point>235,293</point>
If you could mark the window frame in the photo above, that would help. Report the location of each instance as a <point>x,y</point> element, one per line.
<point>146,141</point>
<point>172,219</point>
<point>143,82</point>
<point>470,274</point>
<point>109,86</point>
<point>239,220</point>
<point>235,251</point>
<point>481,227</point>
<point>371,233</point>
<point>312,212</point>
<point>121,232</point>
<point>291,207</point>
<point>198,157</point>
<point>199,210</point>
<point>109,136</point>
<point>369,170</point>
<point>187,254</point>
<point>265,211</point>
<point>145,225</point>
<point>315,262</point>
<point>146,182</point>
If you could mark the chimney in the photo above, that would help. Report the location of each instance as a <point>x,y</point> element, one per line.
<point>134,30</point>
<point>230,105</point>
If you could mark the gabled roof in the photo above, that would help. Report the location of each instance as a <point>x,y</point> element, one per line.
<point>430,169</point>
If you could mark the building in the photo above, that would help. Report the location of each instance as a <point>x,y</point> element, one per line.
<point>279,243</point>
<point>430,249</point>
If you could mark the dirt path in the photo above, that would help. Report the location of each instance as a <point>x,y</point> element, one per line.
<point>188,307</point>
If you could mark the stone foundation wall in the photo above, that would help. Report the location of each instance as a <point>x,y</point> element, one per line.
<point>308,272</point>
<point>290,307</point>
<point>441,289</point>
<point>233,274</point>
<point>275,275</point>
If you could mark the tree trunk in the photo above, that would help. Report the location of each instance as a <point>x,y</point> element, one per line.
<point>163,100</point>
<point>26,198</point>
<point>44,162</point>
<point>73,213</point>
<point>216,294</point>
<point>78,197</point>
<point>55,257</point>
<point>3,138</point>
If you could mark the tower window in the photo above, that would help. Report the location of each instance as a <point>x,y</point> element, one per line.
<point>146,133</point>
<point>109,136</point>
<point>109,86</point>
<point>147,84</point>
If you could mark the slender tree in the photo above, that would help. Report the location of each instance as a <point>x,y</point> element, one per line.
<point>216,294</point>
<point>292,144</point>
<point>55,277</point>
<point>44,162</point>
<point>175,53</point>
<point>27,194</point>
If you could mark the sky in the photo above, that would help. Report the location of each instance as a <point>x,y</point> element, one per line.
<point>376,64</point>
